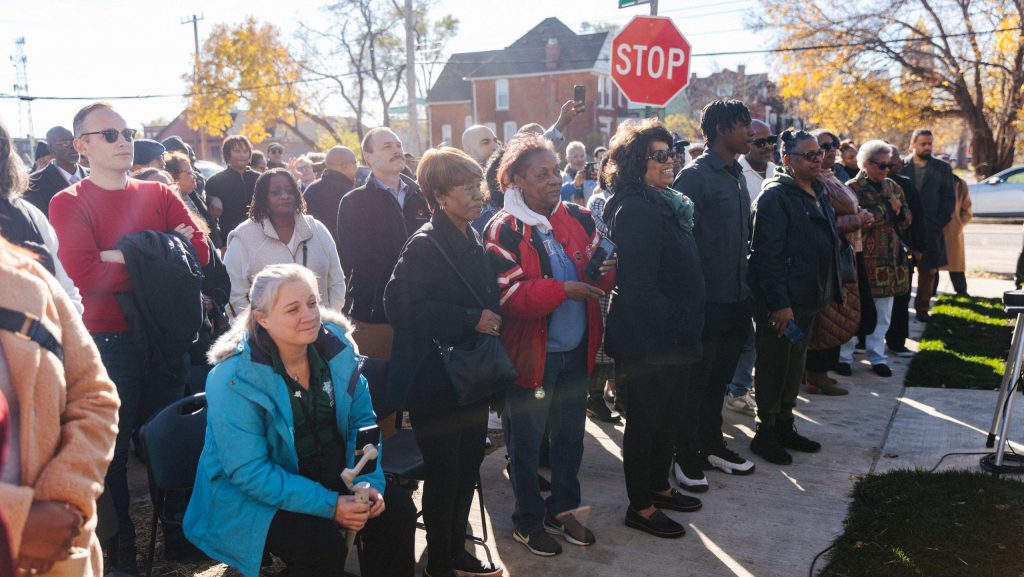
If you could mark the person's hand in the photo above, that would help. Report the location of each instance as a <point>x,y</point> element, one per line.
<point>112,256</point>
<point>216,206</point>
<point>185,230</point>
<point>581,291</point>
<point>49,533</point>
<point>866,218</point>
<point>376,503</point>
<point>918,255</point>
<point>895,204</point>
<point>608,265</point>
<point>779,319</point>
<point>577,180</point>
<point>351,514</point>
<point>566,114</point>
<point>489,323</point>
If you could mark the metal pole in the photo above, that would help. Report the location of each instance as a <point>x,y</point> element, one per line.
<point>410,80</point>
<point>654,7</point>
<point>1010,377</point>
<point>195,77</point>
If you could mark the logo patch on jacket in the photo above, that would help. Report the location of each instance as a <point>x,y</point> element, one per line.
<point>578,256</point>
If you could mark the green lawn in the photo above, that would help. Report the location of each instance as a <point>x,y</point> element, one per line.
<point>964,345</point>
<point>913,523</point>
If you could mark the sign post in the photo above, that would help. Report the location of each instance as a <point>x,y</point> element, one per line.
<point>650,60</point>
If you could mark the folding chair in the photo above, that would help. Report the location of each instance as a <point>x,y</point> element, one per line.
<point>172,441</point>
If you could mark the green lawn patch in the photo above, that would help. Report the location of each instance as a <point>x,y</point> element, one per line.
<point>918,524</point>
<point>964,345</point>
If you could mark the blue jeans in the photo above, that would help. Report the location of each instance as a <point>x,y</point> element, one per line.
<point>564,409</point>
<point>743,377</point>
<point>140,398</point>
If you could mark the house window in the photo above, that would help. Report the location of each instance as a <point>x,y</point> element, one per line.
<point>605,125</point>
<point>509,130</point>
<point>724,91</point>
<point>501,94</point>
<point>446,134</point>
<point>492,126</point>
<point>600,92</point>
<point>469,121</point>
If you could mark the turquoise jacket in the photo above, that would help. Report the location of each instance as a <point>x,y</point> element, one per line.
<point>249,468</point>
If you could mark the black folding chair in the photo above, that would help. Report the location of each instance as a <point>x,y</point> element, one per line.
<point>172,441</point>
<point>401,459</point>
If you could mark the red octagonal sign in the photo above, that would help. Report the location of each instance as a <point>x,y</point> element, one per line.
<point>650,60</point>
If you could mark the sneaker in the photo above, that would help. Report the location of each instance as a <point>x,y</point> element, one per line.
<point>791,439</point>
<point>676,501</point>
<point>466,565</point>
<point>744,404</point>
<point>600,410</point>
<point>882,370</point>
<point>902,352</point>
<point>571,530</point>
<point>766,445</point>
<point>843,369</point>
<point>539,543</point>
<point>727,461</point>
<point>493,421</point>
<point>658,525</point>
<point>690,476</point>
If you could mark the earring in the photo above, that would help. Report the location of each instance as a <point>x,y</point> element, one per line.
<point>444,207</point>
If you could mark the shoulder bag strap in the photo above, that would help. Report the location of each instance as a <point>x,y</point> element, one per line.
<point>457,272</point>
<point>27,326</point>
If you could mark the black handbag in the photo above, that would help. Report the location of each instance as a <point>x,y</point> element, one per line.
<point>847,264</point>
<point>478,367</point>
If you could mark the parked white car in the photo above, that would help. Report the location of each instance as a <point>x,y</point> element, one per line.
<point>1000,195</point>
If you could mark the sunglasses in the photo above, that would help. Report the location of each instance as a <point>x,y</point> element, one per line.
<point>810,155</point>
<point>662,156</point>
<point>763,142</point>
<point>834,145</point>
<point>110,134</point>
<point>884,165</point>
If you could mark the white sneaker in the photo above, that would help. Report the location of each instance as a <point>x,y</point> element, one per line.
<point>493,421</point>
<point>692,479</point>
<point>744,404</point>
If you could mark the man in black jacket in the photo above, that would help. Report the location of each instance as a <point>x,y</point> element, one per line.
<point>60,173</point>
<point>373,223</point>
<point>913,240</point>
<point>229,192</point>
<point>934,182</point>
<point>324,195</point>
<point>714,182</point>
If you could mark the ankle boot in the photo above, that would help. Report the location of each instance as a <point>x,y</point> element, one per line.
<point>820,383</point>
<point>767,445</point>
<point>791,439</point>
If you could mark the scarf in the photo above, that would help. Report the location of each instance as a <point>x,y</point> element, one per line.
<point>516,206</point>
<point>681,206</point>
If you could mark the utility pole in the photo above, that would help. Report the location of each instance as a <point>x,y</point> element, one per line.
<point>410,80</point>
<point>654,7</point>
<point>20,62</point>
<point>194,20</point>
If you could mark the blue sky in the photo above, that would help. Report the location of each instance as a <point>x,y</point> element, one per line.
<point>130,47</point>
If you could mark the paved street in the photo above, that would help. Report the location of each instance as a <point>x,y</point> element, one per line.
<point>992,248</point>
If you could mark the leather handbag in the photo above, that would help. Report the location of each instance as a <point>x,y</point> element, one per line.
<point>847,264</point>
<point>478,367</point>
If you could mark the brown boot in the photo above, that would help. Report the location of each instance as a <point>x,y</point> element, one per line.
<point>820,384</point>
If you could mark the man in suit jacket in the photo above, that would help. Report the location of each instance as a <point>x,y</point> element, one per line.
<point>324,195</point>
<point>934,182</point>
<point>59,173</point>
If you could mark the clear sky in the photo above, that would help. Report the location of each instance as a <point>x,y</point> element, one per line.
<point>104,48</point>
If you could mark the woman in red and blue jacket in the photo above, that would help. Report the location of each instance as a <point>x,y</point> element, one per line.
<point>539,248</point>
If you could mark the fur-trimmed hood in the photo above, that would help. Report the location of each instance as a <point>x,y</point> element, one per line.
<point>230,343</point>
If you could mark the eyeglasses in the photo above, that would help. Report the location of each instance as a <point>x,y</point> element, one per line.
<point>763,142</point>
<point>663,155</point>
<point>884,165</point>
<point>810,155</point>
<point>827,146</point>
<point>110,134</point>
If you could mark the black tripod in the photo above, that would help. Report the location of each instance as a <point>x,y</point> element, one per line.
<point>999,462</point>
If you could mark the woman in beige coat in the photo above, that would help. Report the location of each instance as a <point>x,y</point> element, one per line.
<point>956,262</point>
<point>63,424</point>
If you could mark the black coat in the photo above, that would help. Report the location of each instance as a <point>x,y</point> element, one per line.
<point>235,192</point>
<point>794,248</point>
<point>426,301</point>
<point>17,226</point>
<point>323,197</point>
<point>43,185</point>
<point>164,308</point>
<point>938,200</point>
<point>372,229</point>
<point>914,236</point>
<point>657,307</point>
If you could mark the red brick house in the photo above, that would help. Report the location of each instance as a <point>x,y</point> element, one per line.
<point>528,82</point>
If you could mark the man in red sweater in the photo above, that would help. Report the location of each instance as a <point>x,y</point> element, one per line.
<point>90,218</point>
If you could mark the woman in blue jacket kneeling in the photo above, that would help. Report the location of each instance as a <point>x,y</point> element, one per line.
<point>285,403</point>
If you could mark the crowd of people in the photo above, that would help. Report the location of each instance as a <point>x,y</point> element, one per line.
<point>633,283</point>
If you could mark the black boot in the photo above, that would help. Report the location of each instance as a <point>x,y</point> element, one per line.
<point>766,444</point>
<point>791,439</point>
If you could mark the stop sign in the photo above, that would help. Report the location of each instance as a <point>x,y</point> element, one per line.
<point>650,60</point>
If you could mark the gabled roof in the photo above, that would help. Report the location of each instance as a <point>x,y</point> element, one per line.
<point>524,56</point>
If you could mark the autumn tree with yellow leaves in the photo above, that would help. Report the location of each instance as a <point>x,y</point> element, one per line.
<point>875,69</point>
